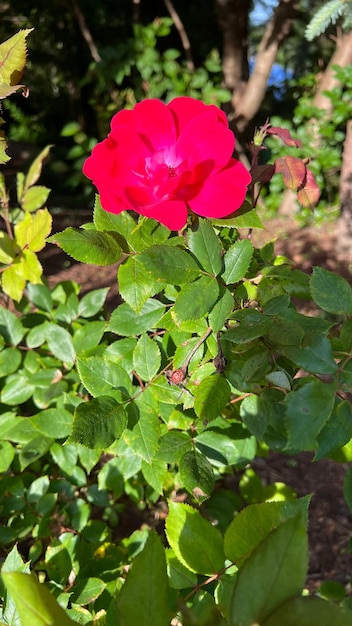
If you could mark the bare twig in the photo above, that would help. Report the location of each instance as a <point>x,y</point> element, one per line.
<point>183,35</point>
<point>86,34</point>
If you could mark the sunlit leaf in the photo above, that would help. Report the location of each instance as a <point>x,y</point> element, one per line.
<point>13,53</point>
<point>195,542</point>
<point>98,423</point>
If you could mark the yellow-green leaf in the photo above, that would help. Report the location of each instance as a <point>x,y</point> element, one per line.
<point>35,169</point>
<point>4,158</point>
<point>13,54</point>
<point>33,230</point>
<point>34,197</point>
<point>34,602</point>
<point>13,283</point>
<point>8,248</point>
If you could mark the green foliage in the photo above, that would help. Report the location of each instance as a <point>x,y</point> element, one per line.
<point>174,406</point>
<point>328,14</point>
<point>325,163</point>
<point>117,421</point>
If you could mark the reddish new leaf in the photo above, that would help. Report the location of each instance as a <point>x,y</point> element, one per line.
<point>262,173</point>
<point>284,135</point>
<point>293,170</point>
<point>308,195</point>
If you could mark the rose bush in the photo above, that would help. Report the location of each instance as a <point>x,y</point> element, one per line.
<point>159,160</point>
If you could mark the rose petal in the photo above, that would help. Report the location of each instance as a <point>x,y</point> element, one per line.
<point>172,214</point>
<point>205,139</point>
<point>155,124</point>
<point>223,192</point>
<point>185,109</point>
<point>111,203</point>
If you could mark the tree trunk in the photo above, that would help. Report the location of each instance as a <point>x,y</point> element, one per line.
<point>275,33</point>
<point>342,57</point>
<point>233,17</point>
<point>344,223</point>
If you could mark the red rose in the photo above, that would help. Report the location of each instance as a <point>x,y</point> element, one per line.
<point>159,159</point>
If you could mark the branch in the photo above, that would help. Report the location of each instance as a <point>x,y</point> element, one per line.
<point>183,35</point>
<point>86,34</point>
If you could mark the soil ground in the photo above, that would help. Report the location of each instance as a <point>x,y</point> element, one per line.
<point>330,526</point>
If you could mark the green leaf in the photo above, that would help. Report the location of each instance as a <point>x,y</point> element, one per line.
<point>106,221</point>
<point>315,356</point>
<point>254,414</point>
<point>307,410</point>
<point>88,336</point>
<point>34,450</point>
<point>331,292</point>
<point>34,198</point>
<point>143,436</point>
<point>173,445</point>
<point>244,217</point>
<point>276,570</point>
<point>237,260</point>
<point>337,431</point>
<point>257,366</point>
<point>126,322</point>
<point>40,296</point>
<point>221,310</point>
<point>180,576</point>
<point>60,343</point>
<point>13,53</point>
<point>86,590</point>
<point>92,302</point>
<point>219,448</point>
<point>100,376</point>
<point>146,358</point>
<point>249,219</point>
<point>98,423</point>
<point>156,474</point>
<point>211,396</point>
<point>55,423</point>
<point>146,233</point>
<point>144,598</point>
<point>309,611</point>
<point>195,542</point>
<point>253,325</point>
<point>134,285</point>
<point>170,265</point>
<point>197,474</point>
<point>205,246</point>
<point>35,604</point>
<point>195,299</point>
<point>10,359</point>
<point>11,327</point>
<point>17,389</point>
<point>88,246</point>
<point>251,525</point>
<point>7,454</point>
